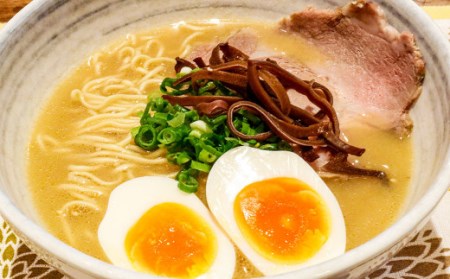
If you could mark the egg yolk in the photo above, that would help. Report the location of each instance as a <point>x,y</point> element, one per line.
<point>283,219</point>
<point>171,240</point>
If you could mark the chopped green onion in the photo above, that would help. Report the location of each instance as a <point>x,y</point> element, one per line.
<point>154,94</point>
<point>252,142</point>
<point>177,120</point>
<point>260,128</point>
<point>201,126</point>
<point>145,116</point>
<point>160,105</point>
<point>157,124</point>
<point>179,108</point>
<point>191,115</point>
<point>169,135</point>
<point>209,86</point>
<point>222,90</point>
<point>146,138</point>
<point>249,116</point>
<point>167,87</point>
<point>179,158</point>
<point>246,129</point>
<point>185,70</point>
<point>195,134</point>
<point>167,82</point>
<point>187,182</point>
<point>134,131</point>
<point>209,148</point>
<point>221,119</point>
<point>269,146</point>
<point>183,158</point>
<point>161,115</point>
<point>207,157</point>
<point>196,165</point>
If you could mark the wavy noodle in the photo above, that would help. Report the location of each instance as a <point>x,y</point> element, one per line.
<point>46,142</point>
<point>82,168</point>
<point>151,73</point>
<point>95,179</point>
<point>78,207</point>
<point>186,51</point>
<point>100,149</point>
<point>147,83</point>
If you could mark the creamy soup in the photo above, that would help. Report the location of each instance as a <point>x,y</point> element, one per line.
<point>81,147</point>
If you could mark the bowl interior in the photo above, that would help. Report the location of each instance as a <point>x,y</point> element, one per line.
<point>37,49</point>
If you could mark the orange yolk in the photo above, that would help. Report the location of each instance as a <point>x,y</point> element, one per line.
<point>283,219</point>
<point>171,240</point>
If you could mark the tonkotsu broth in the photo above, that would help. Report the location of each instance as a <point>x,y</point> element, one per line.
<point>81,147</point>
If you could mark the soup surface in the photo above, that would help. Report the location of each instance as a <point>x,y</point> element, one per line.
<point>81,147</point>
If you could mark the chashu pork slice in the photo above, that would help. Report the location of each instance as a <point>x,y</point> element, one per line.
<point>374,71</point>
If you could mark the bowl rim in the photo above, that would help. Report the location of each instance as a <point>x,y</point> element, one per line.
<point>31,231</point>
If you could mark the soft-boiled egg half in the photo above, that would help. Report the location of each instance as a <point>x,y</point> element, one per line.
<point>151,226</point>
<point>276,209</point>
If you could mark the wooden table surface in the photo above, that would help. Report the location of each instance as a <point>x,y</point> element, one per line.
<point>8,8</point>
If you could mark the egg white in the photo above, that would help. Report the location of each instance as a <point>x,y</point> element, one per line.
<point>133,198</point>
<point>243,165</point>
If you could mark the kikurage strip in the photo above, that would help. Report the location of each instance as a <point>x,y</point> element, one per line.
<point>260,94</point>
<point>270,121</point>
<point>212,109</point>
<point>222,76</point>
<point>302,87</point>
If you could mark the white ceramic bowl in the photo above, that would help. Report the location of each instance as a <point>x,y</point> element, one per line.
<point>49,37</point>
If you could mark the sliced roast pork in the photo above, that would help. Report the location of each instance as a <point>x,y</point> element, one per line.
<point>374,70</point>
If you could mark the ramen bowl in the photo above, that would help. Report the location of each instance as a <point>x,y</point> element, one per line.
<point>49,38</point>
